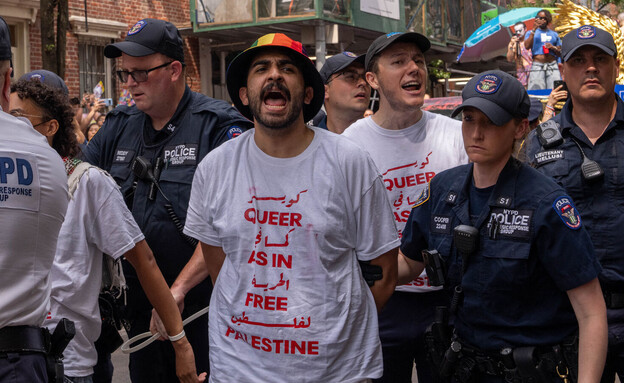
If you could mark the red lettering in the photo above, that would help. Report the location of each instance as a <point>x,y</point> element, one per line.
<point>278,346</point>
<point>297,347</point>
<point>418,282</point>
<point>268,303</point>
<point>401,184</point>
<point>282,261</point>
<point>430,175</point>
<point>313,347</point>
<point>255,342</point>
<point>249,299</point>
<point>410,181</point>
<point>405,215</point>
<point>259,258</point>
<point>295,219</point>
<point>283,219</point>
<point>282,303</point>
<point>397,217</point>
<point>273,217</point>
<point>420,178</point>
<point>278,343</point>
<point>389,187</point>
<point>250,215</point>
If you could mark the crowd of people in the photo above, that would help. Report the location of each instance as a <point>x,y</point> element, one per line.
<point>334,246</point>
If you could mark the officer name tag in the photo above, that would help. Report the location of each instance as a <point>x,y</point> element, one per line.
<point>440,224</point>
<point>512,223</point>
<point>123,156</point>
<point>183,154</point>
<point>548,156</point>
<point>19,181</point>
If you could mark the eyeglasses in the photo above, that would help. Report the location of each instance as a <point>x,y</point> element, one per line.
<point>17,113</point>
<point>540,18</point>
<point>138,75</point>
<point>350,77</point>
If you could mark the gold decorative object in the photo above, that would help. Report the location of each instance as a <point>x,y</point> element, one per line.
<point>570,16</point>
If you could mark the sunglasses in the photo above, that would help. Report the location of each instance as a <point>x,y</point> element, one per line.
<point>540,18</point>
<point>138,75</point>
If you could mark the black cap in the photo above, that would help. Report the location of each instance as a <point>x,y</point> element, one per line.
<point>48,78</point>
<point>382,42</point>
<point>237,72</point>
<point>5,43</point>
<point>339,62</point>
<point>587,35</point>
<point>149,36</point>
<point>497,94</point>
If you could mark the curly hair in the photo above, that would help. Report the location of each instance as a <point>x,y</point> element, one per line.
<point>54,104</point>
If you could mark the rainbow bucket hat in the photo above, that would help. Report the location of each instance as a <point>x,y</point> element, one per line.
<point>237,72</point>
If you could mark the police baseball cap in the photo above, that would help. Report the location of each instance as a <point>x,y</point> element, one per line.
<point>497,94</point>
<point>587,35</point>
<point>535,110</point>
<point>239,67</point>
<point>384,41</point>
<point>149,36</point>
<point>339,62</point>
<point>5,42</point>
<point>48,78</point>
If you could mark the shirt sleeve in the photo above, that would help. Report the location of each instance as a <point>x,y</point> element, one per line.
<point>376,232</point>
<point>198,218</point>
<point>113,230</point>
<point>565,248</point>
<point>414,238</point>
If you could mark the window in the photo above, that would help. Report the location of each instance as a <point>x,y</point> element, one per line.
<point>94,67</point>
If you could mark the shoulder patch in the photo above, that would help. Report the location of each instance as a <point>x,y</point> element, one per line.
<point>567,212</point>
<point>233,132</point>
<point>423,197</point>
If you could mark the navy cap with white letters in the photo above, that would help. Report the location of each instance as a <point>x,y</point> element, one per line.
<point>497,94</point>
<point>149,36</point>
<point>587,35</point>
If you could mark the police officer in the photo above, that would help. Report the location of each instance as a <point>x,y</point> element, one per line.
<point>347,94</point>
<point>520,263</point>
<point>152,150</point>
<point>588,163</point>
<point>33,201</point>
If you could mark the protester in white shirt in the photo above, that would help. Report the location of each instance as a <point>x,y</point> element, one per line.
<point>97,222</point>
<point>284,212</point>
<point>409,147</point>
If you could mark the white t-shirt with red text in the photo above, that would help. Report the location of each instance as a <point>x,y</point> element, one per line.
<point>407,159</point>
<point>290,304</point>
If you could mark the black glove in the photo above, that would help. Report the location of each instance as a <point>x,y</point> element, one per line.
<point>371,273</point>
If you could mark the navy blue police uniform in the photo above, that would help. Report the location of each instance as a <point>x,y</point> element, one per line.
<point>600,196</point>
<point>601,203</point>
<point>532,249</point>
<point>199,125</point>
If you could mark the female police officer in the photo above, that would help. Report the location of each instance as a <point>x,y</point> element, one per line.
<point>512,250</point>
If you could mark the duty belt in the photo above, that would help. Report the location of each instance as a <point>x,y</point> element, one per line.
<point>22,339</point>
<point>614,300</point>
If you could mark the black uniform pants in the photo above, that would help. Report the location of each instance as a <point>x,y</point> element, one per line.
<point>23,368</point>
